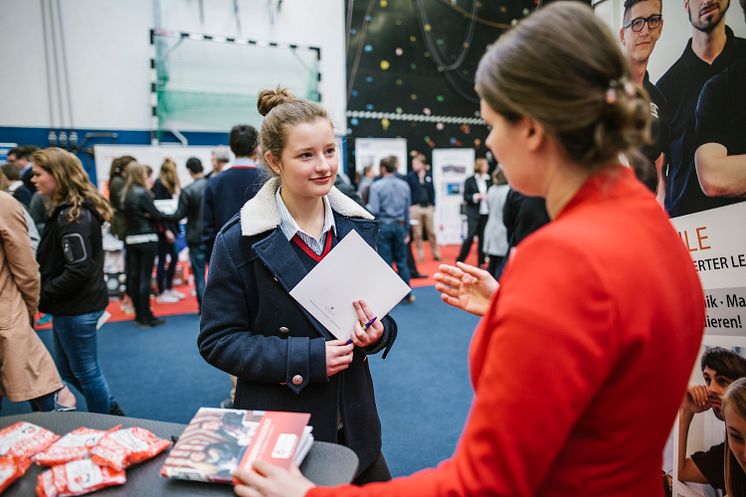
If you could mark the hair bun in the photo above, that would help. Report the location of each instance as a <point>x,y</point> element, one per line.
<point>624,122</point>
<point>269,99</point>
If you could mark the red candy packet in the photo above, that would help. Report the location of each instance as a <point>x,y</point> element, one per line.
<point>123,448</point>
<point>77,478</point>
<point>10,471</point>
<point>21,441</point>
<point>75,445</point>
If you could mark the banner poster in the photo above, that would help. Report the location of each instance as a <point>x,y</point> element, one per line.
<point>370,151</point>
<point>451,167</point>
<point>716,240</point>
<point>151,155</point>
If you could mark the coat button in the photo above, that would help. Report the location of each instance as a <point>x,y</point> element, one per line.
<point>297,380</point>
<point>284,330</point>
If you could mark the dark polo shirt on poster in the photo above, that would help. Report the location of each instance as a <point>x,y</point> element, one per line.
<point>681,86</point>
<point>721,117</point>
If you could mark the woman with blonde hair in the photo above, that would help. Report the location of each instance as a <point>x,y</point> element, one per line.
<point>141,219</point>
<point>590,308</point>
<point>71,259</point>
<point>164,188</point>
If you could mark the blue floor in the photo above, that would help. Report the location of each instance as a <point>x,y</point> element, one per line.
<point>422,388</point>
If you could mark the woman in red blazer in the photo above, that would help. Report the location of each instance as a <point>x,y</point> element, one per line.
<point>582,356</point>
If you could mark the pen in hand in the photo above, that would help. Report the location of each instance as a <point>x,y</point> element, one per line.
<point>365,327</point>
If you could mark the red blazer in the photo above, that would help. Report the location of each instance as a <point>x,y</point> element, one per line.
<point>581,362</point>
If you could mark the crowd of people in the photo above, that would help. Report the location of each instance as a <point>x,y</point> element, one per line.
<point>53,258</point>
<point>580,137</point>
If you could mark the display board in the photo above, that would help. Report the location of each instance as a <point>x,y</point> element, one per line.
<point>4,149</point>
<point>451,167</point>
<point>718,250</point>
<point>153,156</point>
<point>370,151</point>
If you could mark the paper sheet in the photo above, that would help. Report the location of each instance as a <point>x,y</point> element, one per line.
<point>351,271</point>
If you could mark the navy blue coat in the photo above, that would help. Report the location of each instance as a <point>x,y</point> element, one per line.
<point>253,329</point>
<point>413,180</point>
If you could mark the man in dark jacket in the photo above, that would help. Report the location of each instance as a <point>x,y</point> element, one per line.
<point>16,186</point>
<point>190,206</point>
<point>21,156</point>
<point>228,191</point>
<point>475,194</point>
<point>522,216</point>
<point>423,206</point>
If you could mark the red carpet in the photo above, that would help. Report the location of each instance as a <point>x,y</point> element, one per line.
<point>430,266</point>
<point>186,306</point>
<point>189,304</point>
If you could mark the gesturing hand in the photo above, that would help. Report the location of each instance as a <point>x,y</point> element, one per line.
<point>362,337</point>
<point>268,480</point>
<point>338,356</point>
<point>466,287</point>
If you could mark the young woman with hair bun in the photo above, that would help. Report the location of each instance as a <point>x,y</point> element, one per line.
<point>582,356</point>
<point>253,329</point>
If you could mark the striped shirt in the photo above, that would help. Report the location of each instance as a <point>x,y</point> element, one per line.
<point>290,228</point>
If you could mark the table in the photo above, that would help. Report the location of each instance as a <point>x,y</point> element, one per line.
<point>325,464</point>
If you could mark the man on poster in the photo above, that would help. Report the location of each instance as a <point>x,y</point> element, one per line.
<point>712,48</point>
<point>720,367</point>
<point>641,29</point>
<point>720,158</point>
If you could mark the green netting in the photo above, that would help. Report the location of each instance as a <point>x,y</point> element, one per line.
<point>206,85</point>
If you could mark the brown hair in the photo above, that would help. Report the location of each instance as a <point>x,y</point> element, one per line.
<point>390,164</point>
<point>281,109</point>
<point>498,177</point>
<point>628,4</point>
<point>136,175</point>
<point>118,166</point>
<point>562,67</point>
<point>3,180</point>
<point>168,176</point>
<point>735,398</point>
<point>73,185</point>
<point>12,171</point>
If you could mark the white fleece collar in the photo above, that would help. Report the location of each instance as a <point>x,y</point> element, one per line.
<point>260,214</point>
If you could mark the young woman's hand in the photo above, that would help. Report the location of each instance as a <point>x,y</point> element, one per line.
<point>268,480</point>
<point>466,287</point>
<point>361,336</point>
<point>338,356</point>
